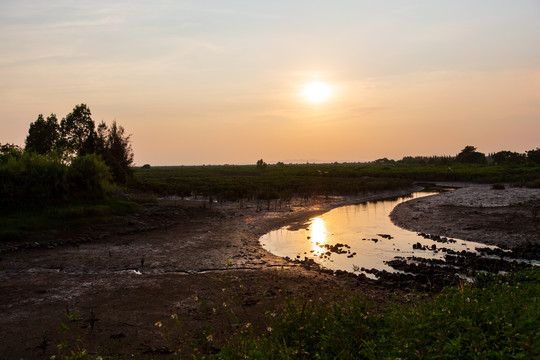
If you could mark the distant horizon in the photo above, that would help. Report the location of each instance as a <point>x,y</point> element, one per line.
<point>316,162</point>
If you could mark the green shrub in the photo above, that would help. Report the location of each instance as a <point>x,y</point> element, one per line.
<point>88,178</point>
<point>32,181</point>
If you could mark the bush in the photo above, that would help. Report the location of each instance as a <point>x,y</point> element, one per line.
<point>88,178</point>
<point>29,180</point>
<point>33,181</point>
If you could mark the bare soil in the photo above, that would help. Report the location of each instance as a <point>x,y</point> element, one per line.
<point>506,218</point>
<point>116,287</point>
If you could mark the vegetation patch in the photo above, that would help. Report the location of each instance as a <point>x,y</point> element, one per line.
<point>236,182</point>
<point>494,317</point>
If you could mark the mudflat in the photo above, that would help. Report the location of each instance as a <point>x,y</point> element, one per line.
<point>507,217</point>
<point>167,280</point>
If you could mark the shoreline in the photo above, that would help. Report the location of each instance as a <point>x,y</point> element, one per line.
<point>475,213</point>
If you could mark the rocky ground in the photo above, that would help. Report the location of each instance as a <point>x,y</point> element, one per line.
<point>181,273</point>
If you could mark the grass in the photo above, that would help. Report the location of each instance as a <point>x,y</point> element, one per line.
<point>234,182</point>
<point>17,225</point>
<point>496,317</point>
<point>247,182</point>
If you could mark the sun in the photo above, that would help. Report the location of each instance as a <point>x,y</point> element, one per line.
<point>316,91</point>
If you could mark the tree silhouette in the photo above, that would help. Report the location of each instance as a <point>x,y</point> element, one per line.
<point>43,135</point>
<point>533,156</point>
<point>78,131</point>
<point>76,136</point>
<point>469,155</point>
<point>508,157</point>
<point>113,145</point>
<point>9,149</point>
<point>261,165</point>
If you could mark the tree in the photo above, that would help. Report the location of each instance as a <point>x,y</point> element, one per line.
<point>113,145</point>
<point>9,150</point>
<point>102,135</point>
<point>508,157</point>
<point>119,153</point>
<point>78,131</point>
<point>43,135</point>
<point>261,165</point>
<point>77,136</point>
<point>383,161</point>
<point>533,156</point>
<point>469,155</point>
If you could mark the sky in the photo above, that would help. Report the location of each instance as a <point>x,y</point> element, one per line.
<point>222,81</point>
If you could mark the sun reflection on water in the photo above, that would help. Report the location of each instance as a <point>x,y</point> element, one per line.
<point>318,235</point>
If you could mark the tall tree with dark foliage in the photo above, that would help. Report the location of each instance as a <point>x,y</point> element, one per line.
<point>43,135</point>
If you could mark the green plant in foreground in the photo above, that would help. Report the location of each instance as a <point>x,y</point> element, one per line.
<point>496,317</point>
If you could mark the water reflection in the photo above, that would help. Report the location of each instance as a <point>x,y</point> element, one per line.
<point>318,235</point>
<point>366,230</point>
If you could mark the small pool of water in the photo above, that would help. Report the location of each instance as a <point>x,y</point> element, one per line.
<point>359,236</point>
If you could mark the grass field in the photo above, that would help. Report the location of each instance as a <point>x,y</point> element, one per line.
<point>229,182</point>
<point>239,182</point>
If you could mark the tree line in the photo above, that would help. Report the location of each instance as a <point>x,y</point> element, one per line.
<point>469,155</point>
<point>70,160</point>
<point>76,135</point>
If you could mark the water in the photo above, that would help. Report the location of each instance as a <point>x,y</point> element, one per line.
<point>367,231</point>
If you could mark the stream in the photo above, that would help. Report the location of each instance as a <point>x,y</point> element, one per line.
<point>362,239</point>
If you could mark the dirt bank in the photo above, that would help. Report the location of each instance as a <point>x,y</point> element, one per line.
<point>477,213</point>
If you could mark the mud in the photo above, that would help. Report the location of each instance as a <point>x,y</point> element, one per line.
<point>112,287</point>
<point>476,213</point>
<point>185,275</point>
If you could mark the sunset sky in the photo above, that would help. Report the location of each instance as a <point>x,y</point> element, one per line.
<point>215,82</point>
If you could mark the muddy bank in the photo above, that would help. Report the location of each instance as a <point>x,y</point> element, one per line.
<point>112,287</point>
<point>477,213</point>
